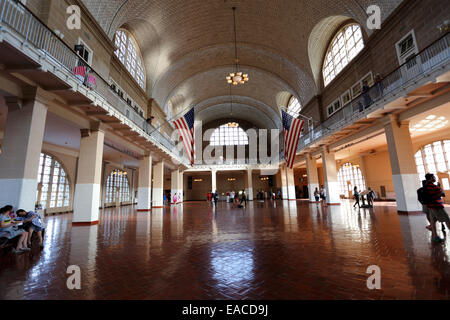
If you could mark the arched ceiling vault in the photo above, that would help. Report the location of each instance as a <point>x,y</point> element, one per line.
<point>187,45</point>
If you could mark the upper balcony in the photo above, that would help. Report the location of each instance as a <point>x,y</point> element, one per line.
<point>29,48</point>
<point>422,77</point>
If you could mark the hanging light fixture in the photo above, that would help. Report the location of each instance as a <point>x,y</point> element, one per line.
<point>119,173</point>
<point>236,77</point>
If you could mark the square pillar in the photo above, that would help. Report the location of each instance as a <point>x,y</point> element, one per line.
<point>87,189</point>
<point>175,184</point>
<point>313,177</point>
<point>290,184</point>
<point>181,186</point>
<point>21,150</point>
<point>330,177</point>
<point>249,184</point>
<point>158,185</point>
<point>145,185</point>
<point>213,180</point>
<point>404,171</point>
<point>284,187</point>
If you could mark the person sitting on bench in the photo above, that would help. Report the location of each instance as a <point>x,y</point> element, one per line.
<point>10,230</point>
<point>31,223</point>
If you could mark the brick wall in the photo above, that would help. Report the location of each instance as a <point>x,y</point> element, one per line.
<point>379,54</point>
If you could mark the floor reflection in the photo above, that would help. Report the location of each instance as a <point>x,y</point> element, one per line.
<point>268,250</point>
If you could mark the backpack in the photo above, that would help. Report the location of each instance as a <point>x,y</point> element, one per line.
<point>423,196</point>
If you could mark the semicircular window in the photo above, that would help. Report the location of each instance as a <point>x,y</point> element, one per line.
<point>345,46</point>
<point>129,54</point>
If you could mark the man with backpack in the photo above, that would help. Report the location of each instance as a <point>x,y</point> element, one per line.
<point>432,198</point>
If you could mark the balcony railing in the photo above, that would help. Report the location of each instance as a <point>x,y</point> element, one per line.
<point>18,18</point>
<point>429,59</point>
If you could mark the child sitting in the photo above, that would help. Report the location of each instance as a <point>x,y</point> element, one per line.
<point>10,230</point>
<point>32,223</point>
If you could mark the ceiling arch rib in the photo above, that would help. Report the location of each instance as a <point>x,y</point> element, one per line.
<point>246,113</point>
<point>259,106</point>
<point>296,79</point>
<point>263,86</point>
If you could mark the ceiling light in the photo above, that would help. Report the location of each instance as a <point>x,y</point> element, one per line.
<point>237,77</point>
<point>431,117</point>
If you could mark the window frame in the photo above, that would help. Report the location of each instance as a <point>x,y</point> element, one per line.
<point>88,49</point>
<point>236,138</point>
<point>138,57</point>
<point>67,190</point>
<point>414,51</point>
<point>297,113</point>
<point>330,49</point>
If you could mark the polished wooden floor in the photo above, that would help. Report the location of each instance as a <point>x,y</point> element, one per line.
<point>279,250</point>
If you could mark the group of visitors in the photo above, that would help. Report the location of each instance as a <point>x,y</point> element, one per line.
<point>362,196</point>
<point>176,198</point>
<point>321,195</point>
<point>21,225</point>
<point>430,196</point>
<point>236,198</point>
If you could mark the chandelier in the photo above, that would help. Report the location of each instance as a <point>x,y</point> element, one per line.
<point>119,173</point>
<point>233,125</point>
<point>236,77</point>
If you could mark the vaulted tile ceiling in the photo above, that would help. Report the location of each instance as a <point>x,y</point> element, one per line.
<point>187,47</point>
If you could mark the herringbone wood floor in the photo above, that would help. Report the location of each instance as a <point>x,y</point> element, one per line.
<point>271,250</point>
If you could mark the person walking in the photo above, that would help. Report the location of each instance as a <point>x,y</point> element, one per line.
<point>370,197</point>
<point>435,205</point>
<point>423,199</point>
<point>243,199</point>
<point>356,196</point>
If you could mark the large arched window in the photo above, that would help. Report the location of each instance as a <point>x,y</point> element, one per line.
<point>294,107</point>
<point>53,184</point>
<point>230,134</point>
<point>350,176</point>
<point>347,43</point>
<point>130,56</point>
<point>117,187</point>
<point>434,158</point>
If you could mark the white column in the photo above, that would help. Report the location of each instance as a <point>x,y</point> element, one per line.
<point>145,184</point>
<point>21,149</point>
<point>284,188</point>
<point>213,180</point>
<point>158,185</point>
<point>87,190</point>
<point>290,184</point>
<point>249,184</point>
<point>404,170</point>
<point>181,186</point>
<point>175,181</point>
<point>330,177</point>
<point>313,177</point>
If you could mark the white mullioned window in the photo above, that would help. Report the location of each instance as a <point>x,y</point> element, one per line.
<point>434,158</point>
<point>349,177</point>
<point>294,107</point>
<point>117,186</point>
<point>53,184</point>
<point>229,135</point>
<point>128,53</point>
<point>345,46</point>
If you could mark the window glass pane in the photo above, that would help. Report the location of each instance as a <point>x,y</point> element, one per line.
<point>347,44</point>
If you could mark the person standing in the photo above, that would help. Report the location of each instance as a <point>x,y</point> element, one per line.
<point>435,205</point>
<point>356,196</point>
<point>323,196</point>
<point>370,197</point>
<point>216,198</point>
<point>243,199</point>
<point>317,195</point>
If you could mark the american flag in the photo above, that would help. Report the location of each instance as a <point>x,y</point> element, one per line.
<point>185,126</point>
<point>292,127</point>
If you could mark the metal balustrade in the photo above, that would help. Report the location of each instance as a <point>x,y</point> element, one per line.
<point>19,19</point>
<point>428,60</point>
